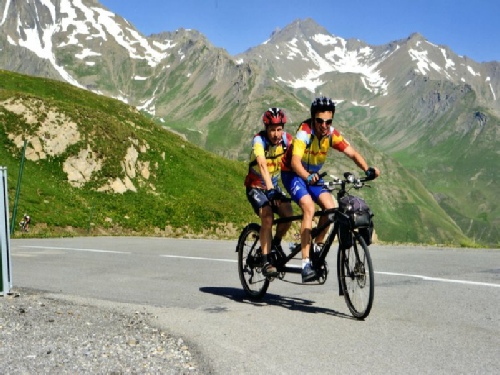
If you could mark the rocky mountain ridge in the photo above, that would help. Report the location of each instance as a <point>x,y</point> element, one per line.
<point>415,101</point>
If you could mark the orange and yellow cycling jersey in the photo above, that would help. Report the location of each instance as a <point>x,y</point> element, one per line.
<point>311,149</point>
<point>273,154</point>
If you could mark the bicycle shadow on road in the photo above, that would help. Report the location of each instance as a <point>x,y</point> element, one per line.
<point>290,303</point>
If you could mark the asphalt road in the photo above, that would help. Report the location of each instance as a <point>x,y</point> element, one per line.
<point>436,310</point>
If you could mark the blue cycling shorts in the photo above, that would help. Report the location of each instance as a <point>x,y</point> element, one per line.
<point>258,199</point>
<point>297,187</point>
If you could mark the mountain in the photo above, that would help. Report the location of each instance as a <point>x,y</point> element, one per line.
<point>172,76</point>
<point>96,165</point>
<point>426,111</point>
<point>308,58</point>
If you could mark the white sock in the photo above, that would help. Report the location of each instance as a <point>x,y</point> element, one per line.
<point>304,262</point>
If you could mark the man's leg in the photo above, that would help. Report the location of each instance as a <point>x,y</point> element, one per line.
<point>298,191</point>
<point>284,210</point>
<point>266,219</point>
<point>266,229</point>
<point>261,206</point>
<point>326,202</point>
<point>307,205</point>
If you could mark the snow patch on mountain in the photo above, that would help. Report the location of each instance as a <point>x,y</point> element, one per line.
<point>449,63</point>
<point>471,71</point>
<point>424,64</point>
<point>87,53</point>
<point>293,50</point>
<point>488,80</point>
<point>6,9</point>
<point>338,59</point>
<point>148,107</point>
<point>40,43</point>
<point>152,56</point>
<point>168,44</point>
<point>82,23</point>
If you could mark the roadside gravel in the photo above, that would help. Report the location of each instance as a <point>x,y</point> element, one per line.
<point>41,334</point>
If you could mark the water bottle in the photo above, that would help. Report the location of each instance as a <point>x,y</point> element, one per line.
<point>316,248</point>
<point>273,257</point>
<point>293,246</point>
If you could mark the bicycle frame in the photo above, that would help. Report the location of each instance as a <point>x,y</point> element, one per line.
<point>333,218</point>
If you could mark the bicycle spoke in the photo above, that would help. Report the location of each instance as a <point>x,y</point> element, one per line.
<point>357,279</point>
<point>250,262</point>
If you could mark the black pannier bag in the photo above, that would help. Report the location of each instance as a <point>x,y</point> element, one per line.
<point>357,216</point>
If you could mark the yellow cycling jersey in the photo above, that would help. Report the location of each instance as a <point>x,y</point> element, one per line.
<point>273,154</point>
<point>312,150</point>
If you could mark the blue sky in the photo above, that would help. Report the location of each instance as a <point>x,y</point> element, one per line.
<point>469,27</point>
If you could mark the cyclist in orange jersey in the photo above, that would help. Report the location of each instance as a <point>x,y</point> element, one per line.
<point>263,192</point>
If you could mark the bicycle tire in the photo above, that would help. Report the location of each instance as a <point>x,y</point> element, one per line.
<point>250,263</point>
<point>357,278</point>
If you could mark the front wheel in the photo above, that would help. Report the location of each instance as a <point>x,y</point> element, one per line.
<point>250,262</point>
<point>356,277</point>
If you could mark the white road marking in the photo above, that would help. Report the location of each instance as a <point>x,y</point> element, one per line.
<point>200,258</point>
<point>425,278</point>
<point>439,279</point>
<point>75,249</point>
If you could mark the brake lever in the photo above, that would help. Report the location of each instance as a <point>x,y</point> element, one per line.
<point>330,185</point>
<point>335,178</point>
<point>358,184</point>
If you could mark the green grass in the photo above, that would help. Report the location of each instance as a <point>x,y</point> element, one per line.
<point>463,170</point>
<point>188,188</point>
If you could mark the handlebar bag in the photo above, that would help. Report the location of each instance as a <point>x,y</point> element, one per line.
<point>358,211</point>
<point>359,214</point>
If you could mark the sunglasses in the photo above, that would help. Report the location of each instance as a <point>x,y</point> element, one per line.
<point>321,121</point>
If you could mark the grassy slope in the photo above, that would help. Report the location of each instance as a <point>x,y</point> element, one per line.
<point>460,166</point>
<point>191,186</point>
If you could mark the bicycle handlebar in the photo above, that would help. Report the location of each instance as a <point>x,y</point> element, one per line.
<point>349,178</point>
<point>320,176</point>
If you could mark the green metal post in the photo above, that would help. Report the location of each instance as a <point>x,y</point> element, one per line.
<point>5,261</point>
<point>90,217</point>
<point>18,189</point>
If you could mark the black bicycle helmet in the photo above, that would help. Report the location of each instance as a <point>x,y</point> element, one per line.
<point>274,116</point>
<point>322,104</point>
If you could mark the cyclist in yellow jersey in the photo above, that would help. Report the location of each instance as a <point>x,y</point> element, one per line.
<point>302,164</point>
<point>263,192</point>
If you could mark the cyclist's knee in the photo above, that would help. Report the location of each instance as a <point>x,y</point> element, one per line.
<point>266,216</point>
<point>307,206</point>
<point>326,201</point>
<point>285,210</point>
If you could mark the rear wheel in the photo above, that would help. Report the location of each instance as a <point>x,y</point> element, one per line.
<point>250,262</point>
<point>356,277</point>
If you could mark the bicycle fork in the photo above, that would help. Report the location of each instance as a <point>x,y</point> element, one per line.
<point>351,272</point>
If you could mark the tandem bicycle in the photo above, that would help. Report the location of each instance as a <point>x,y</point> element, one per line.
<point>351,226</point>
